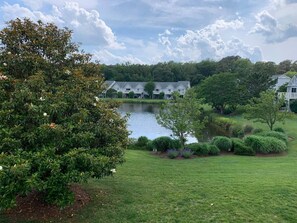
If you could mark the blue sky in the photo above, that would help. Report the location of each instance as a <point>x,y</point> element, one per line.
<point>152,31</point>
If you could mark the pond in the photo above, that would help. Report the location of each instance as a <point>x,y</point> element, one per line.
<point>142,121</point>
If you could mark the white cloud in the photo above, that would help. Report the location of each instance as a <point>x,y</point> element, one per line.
<point>106,57</point>
<point>87,25</point>
<point>39,4</point>
<point>279,23</point>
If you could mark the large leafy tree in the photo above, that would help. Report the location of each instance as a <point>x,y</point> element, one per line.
<point>54,130</point>
<point>183,116</point>
<point>221,90</point>
<point>265,109</point>
<point>149,88</point>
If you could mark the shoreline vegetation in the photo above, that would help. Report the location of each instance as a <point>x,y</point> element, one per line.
<point>136,100</point>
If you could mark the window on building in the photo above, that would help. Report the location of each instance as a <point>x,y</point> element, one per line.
<point>157,90</point>
<point>128,89</point>
<point>293,90</point>
<point>169,90</point>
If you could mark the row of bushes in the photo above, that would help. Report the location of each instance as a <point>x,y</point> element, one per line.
<point>263,142</point>
<point>233,129</point>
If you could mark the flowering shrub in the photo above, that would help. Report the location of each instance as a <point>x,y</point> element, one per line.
<point>186,153</point>
<point>54,130</point>
<point>172,153</point>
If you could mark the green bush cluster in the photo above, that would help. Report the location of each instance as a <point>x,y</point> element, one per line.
<point>237,131</point>
<point>265,144</point>
<point>164,143</point>
<point>240,148</point>
<point>223,143</point>
<point>223,122</point>
<point>279,135</point>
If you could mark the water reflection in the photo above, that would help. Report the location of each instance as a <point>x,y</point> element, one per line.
<point>142,121</point>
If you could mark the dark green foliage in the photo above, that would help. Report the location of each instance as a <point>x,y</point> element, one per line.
<point>54,130</point>
<point>222,142</point>
<point>279,129</point>
<point>120,94</point>
<point>161,95</point>
<point>199,149</point>
<point>142,141</point>
<point>213,150</point>
<point>257,130</point>
<point>240,148</point>
<point>265,144</point>
<point>293,106</point>
<point>131,94</point>
<point>237,131</point>
<point>164,143</point>
<point>248,129</point>
<point>279,135</point>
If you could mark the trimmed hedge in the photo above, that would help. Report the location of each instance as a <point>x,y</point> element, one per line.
<point>164,143</point>
<point>213,150</point>
<point>279,135</point>
<point>265,144</point>
<point>222,142</point>
<point>199,149</point>
<point>279,129</point>
<point>241,149</point>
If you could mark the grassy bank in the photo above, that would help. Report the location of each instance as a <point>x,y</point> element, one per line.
<point>136,100</point>
<point>225,188</point>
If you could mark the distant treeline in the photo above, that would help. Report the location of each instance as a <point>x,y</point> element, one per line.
<point>195,72</point>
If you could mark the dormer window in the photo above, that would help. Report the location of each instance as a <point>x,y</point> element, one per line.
<point>293,90</point>
<point>128,89</point>
<point>157,90</point>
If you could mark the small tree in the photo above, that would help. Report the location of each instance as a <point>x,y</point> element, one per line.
<point>265,109</point>
<point>182,116</point>
<point>161,95</point>
<point>149,88</point>
<point>131,94</point>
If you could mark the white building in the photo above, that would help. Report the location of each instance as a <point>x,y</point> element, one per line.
<point>280,80</point>
<point>138,88</point>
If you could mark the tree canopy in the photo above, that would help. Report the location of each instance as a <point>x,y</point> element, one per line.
<point>54,130</point>
<point>182,116</point>
<point>265,109</point>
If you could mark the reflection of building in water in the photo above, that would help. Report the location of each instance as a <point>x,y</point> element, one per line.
<point>166,88</point>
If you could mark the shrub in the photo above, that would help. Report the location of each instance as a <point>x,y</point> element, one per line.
<point>265,144</point>
<point>213,150</point>
<point>279,129</point>
<point>164,143</point>
<point>172,153</point>
<point>199,149</point>
<point>186,153</point>
<point>293,106</point>
<point>131,94</point>
<point>241,149</point>
<point>257,130</point>
<point>161,95</point>
<point>223,122</point>
<point>279,135</point>
<point>120,94</point>
<point>237,131</point>
<point>247,129</point>
<point>222,142</point>
<point>142,141</point>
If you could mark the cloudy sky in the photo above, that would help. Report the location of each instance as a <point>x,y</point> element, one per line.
<point>152,31</point>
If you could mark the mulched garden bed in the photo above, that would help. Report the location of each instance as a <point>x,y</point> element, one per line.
<point>32,208</point>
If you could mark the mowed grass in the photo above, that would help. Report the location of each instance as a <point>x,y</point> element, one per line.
<point>227,188</point>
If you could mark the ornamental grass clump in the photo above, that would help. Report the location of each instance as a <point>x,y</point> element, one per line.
<point>172,153</point>
<point>186,153</point>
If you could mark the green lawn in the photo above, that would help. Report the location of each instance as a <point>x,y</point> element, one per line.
<point>228,188</point>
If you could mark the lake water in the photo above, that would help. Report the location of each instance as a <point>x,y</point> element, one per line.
<point>142,121</point>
